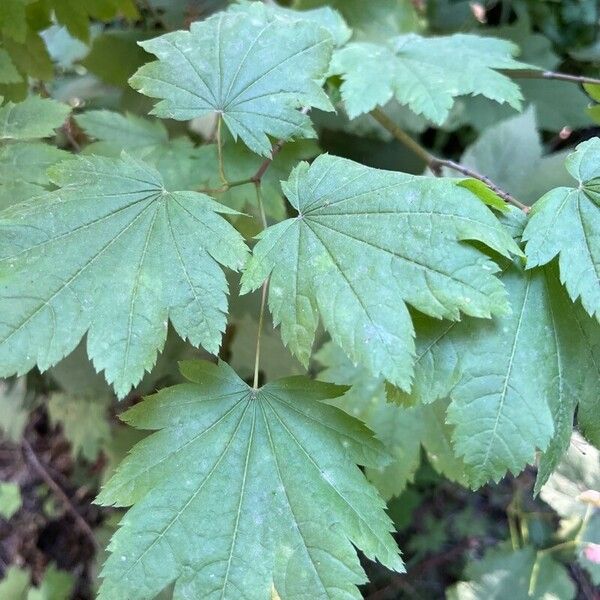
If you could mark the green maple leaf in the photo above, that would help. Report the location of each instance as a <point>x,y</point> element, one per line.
<point>505,573</point>
<point>325,17</point>
<point>403,431</point>
<point>243,490</point>
<point>23,170</point>
<point>114,254</point>
<point>84,421</point>
<point>125,131</point>
<point>372,20</point>
<point>502,411</point>
<point>566,223</point>
<point>425,74</point>
<point>252,65</point>
<point>8,70</point>
<point>510,153</point>
<point>364,243</point>
<point>178,161</point>
<point>35,117</point>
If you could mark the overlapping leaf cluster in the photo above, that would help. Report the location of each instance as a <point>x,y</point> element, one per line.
<point>472,334</point>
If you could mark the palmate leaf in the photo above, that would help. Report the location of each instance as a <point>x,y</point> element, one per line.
<point>252,65</point>
<point>566,222</point>
<point>501,408</point>
<point>243,491</point>
<point>33,118</point>
<point>425,73</point>
<point>23,170</point>
<point>364,243</point>
<point>115,254</point>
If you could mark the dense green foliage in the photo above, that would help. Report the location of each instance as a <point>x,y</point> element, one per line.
<point>307,326</point>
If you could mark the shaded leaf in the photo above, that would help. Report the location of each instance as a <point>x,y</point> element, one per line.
<point>83,420</point>
<point>503,573</point>
<point>375,19</point>
<point>403,431</point>
<point>8,71</point>
<point>578,472</point>
<point>425,73</point>
<point>14,584</point>
<point>56,585</point>
<point>510,153</point>
<point>33,118</point>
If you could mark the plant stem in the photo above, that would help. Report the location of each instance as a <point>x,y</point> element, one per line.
<point>35,462</point>
<point>263,297</point>
<point>225,187</point>
<point>220,152</point>
<point>256,178</point>
<point>555,75</point>
<point>436,164</point>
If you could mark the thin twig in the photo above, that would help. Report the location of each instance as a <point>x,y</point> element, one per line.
<point>555,75</point>
<point>58,492</point>
<point>220,152</point>
<point>257,178</point>
<point>68,129</point>
<point>226,187</point>
<point>442,162</point>
<point>436,164</point>
<point>263,298</point>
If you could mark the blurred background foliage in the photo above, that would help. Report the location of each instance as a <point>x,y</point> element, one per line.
<point>60,435</point>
